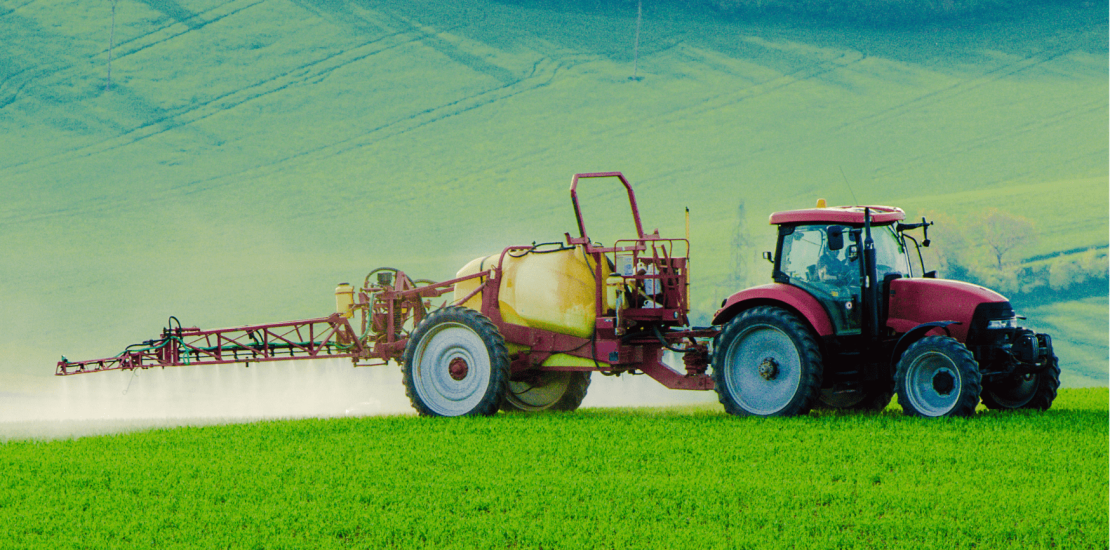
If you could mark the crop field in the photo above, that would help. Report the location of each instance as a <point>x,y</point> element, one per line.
<point>598,478</point>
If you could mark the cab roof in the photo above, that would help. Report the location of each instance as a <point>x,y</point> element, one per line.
<point>839,214</point>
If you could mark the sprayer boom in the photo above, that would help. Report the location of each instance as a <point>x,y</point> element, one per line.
<point>324,337</point>
<point>390,303</point>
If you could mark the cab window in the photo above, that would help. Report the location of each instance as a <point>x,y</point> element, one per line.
<point>824,261</point>
<point>890,252</point>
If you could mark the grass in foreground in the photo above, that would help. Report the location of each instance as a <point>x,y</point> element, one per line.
<point>632,478</point>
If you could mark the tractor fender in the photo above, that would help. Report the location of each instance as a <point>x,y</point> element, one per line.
<point>917,333</point>
<point>777,294</point>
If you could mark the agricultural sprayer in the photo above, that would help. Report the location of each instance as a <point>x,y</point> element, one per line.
<point>846,323</point>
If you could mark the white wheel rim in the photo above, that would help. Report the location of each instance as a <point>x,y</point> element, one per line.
<point>933,384</point>
<point>442,393</point>
<point>754,392</point>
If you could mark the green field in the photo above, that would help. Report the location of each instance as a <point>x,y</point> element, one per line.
<point>600,478</point>
<point>252,153</point>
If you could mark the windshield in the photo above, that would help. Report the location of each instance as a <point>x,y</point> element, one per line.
<point>890,254</point>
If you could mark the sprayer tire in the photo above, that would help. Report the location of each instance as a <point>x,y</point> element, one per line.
<point>937,376</point>
<point>456,364</point>
<point>766,362</point>
<point>547,391</point>
<point>1036,391</point>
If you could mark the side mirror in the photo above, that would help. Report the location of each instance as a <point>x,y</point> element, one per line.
<point>767,256</point>
<point>835,234</point>
<point>853,253</point>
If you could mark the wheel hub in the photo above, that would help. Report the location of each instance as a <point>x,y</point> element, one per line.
<point>944,382</point>
<point>769,369</point>
<point>458,368</point>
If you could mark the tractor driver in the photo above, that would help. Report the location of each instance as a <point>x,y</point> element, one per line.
<point>833,265</point>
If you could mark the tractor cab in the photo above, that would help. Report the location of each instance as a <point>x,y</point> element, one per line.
<point>820,251</point>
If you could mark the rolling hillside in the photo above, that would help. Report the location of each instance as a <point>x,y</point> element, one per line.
<point>252,153</point>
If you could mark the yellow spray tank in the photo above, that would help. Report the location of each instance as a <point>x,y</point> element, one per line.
<point>553,290</point>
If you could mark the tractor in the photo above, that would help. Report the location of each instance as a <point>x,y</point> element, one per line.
<point>850,318</point>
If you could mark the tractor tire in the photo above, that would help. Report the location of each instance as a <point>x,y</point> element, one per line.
<point>937,376</point>
<point>456,364</point>
<point>766,363</point>
<point>1033,391</point>
<point>547,391</point>
<point>871,398</point>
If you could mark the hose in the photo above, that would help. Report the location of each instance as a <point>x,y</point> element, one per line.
<point>535,249</point>
<point>663,341</point>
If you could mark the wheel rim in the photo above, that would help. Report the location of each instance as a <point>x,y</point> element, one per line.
<point>933,384</point>
<point>540,392</point>
<point>451,369</point>
<point>1015,392</point>
<point>763,370</point>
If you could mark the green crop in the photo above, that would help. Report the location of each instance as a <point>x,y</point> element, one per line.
<point>618,478</point>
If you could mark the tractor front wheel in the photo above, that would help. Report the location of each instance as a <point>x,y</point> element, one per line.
<point>546,391</point>
<point>766,363</point>
<point>456,364</point>
<point>938,376</point>
<point>1031,391</point>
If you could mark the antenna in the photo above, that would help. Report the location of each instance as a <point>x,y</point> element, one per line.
<point>854,199</point>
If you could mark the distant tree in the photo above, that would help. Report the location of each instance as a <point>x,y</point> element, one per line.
<point>1001,232</point>
<point>949,251</point>
<point>1077,269</point>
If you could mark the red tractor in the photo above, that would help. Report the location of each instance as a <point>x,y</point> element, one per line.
<point>850,319</point>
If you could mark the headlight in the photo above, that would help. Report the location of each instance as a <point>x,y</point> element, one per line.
<point>995,324</point>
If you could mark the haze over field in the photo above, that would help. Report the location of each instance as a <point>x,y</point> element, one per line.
<point>252,153</point>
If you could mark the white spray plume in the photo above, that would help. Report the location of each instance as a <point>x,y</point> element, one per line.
<point>113,402</point>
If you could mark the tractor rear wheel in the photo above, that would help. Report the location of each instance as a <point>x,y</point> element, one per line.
<point>1031,391</point>
<point>546,391</point>
<point>938,376</point>
<point>456,364</point>
<point>766,363</point>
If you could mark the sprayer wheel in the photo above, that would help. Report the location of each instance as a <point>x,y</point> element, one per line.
<point>546,391</point>
<point>456,364</point>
